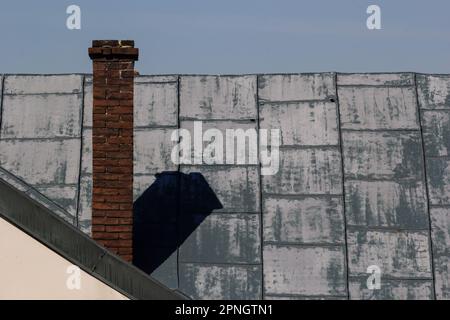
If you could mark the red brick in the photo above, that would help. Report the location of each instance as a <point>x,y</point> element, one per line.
<point>125,220</point>
<point>117,199</point>
<point>126,117</point>
<point>128,102</point>
<point>125,51</point>
<point>126,206</point>
<point>107,147</point>
<point>105,191</point>
<point>117,155</point>
<point>99,169</point>
<point>120,110</point>
<point>106,235</point>
<point>103,43</point>
<point>128,170</point>
<point>127,74</point>
<point>125,250</point>
<point>120,140</point>
<point>125,235</point>
<point>120,95</point>
<point>106,221</point>
<point>126,132</point>
<point>98,140</point>
<point>99,124</point>
<point>118,214</point>
<point>99,214</point>
<point>98,154</point>
<point>112,184</point>
<point>107,117</point>
<point>99,110</point>
<point>119,124</point>
<point>105,103</point>
<point>118,228</point>
<point>98,228</point>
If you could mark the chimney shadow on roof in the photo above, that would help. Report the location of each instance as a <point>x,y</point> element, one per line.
<point>166,214</point>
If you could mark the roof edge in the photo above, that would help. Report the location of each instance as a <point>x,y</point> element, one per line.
<point>54,232</point>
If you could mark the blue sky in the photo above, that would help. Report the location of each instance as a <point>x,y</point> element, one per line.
<point>230,36</point>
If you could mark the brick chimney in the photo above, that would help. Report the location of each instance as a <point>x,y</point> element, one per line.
<point>112,144</point>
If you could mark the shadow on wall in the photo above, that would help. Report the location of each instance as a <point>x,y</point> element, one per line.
<point>167,213</point>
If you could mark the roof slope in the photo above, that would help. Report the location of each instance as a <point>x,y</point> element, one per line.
<point>364,160</point>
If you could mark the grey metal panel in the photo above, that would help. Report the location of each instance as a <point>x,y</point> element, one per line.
<point>221,282</point>
<point>433,91</point>
<point>155,79</point>
<point>86,156</point>
<point>438,174</point>
<point>375,79</point>
<point>385,187</point>
<point>155,120</point>
<point>152,151</point>
<point>223,238</point>
<point>248,127</point>
<point>304,270</point>
<point>155,104</point>
<point>292,87</point>
<point>41,116</point>
<point>397,253</point>
<point>224,249</point>
<point>382,155</point>
<point>38,162</point>
<point>306,171</point>
<point>84,209</point>
<point>88,101</point>
<point>378,108</point>
<point>303,123</point>
<point>436,132</point>
<point>218,97</point>
<point>434,100</point>
<point>401,204</point>
<point>306,219</point>
<point>236,187</point>
<point>85,203</point>
<point>303,218</point>
<point>440,218</point>
<point>43,84</point>
<point>392,290</point>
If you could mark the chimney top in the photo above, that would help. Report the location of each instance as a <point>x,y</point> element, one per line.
<point>112,43</point>
<point>113,49</point>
